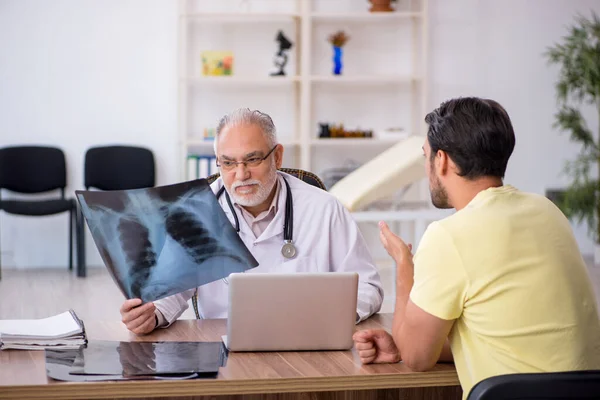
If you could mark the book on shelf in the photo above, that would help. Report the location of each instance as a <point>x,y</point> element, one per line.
<point>201,166</point>
<point>62,331</point>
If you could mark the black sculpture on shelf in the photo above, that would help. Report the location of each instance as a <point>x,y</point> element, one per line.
<point>338,131</point>
<point>324,133</point>
<point>281,57</point>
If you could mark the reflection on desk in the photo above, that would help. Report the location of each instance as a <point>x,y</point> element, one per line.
<point>112,360</point>
<point>333,374</point>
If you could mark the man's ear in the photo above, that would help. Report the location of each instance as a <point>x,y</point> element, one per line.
<point>278,156</point>
<point>440,163</point>
<point>445,164</point>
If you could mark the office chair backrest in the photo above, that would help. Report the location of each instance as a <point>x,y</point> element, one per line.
<point>539,386</point>
<point>304,176</point>
<point>32,169</point>
<point>119,168</point>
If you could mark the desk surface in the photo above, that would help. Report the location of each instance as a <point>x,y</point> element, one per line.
<point>23,373</point>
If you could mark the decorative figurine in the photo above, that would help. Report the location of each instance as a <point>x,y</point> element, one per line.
<point>381,5</point>
<point>339,132</point>
<point>281,57</point>
<point>324,133</point>
<point>338,40</point>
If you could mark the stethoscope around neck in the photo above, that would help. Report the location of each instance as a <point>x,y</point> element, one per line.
<point>288,250</point>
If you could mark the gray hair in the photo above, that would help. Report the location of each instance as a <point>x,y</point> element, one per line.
<point>252,117</point>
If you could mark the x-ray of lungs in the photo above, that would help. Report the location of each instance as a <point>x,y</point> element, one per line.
<point>163,240</point>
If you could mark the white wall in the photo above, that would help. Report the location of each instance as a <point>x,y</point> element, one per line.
<point>79,73</point>
<point>494,49</point>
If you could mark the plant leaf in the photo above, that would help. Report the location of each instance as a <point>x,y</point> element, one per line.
<point>570,119</point>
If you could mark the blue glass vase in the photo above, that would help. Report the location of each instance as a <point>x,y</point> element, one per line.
<point>337,60</point>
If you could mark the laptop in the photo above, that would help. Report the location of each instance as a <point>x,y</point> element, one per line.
<point>291,311</point>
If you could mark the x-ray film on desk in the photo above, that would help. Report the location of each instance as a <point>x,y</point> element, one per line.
<point>161,241</point>
<point>106,360</point>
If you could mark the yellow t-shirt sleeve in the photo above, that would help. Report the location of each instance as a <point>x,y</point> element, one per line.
<point>440,281</point>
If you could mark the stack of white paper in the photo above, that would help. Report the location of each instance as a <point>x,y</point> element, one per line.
<point>63,331</point>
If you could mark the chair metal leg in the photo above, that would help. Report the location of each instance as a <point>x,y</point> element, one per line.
<point>80,223</point>
<point>0,258</point>
<point>70,239</point>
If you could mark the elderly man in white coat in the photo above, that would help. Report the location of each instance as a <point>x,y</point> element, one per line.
<point>325,237</point>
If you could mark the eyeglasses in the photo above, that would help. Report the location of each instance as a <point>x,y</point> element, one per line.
<point>228,165</point>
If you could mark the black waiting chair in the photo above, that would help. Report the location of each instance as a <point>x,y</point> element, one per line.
<point>35,170</point>
<point>119,168</point>
<point>116,168</point>
<point>539,386</point>
<point>305,176</point>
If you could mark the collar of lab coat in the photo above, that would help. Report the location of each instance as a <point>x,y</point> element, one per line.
<point>275,227</point>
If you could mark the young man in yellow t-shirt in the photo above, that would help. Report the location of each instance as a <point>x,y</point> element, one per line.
<point>501,282</point>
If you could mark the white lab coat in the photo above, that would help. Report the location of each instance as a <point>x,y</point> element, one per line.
<point>326,238</point>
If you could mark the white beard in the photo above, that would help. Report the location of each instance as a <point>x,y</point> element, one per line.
<point>263,192</point>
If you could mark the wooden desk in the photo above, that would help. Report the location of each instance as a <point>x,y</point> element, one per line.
<point>286,375</point>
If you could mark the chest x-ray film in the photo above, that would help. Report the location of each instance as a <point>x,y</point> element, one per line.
<point>160,241</point>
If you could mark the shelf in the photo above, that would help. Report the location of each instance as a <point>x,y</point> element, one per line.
<point>293,100</point>
<point>289,143</point>
<point>198,142</point>
<point>275,17</point>
<point>364,79</point>
<point>241,80</point>
<point>279,80</point>
<point>325,142</point>
<point>424,214</point>
<point>365,17</point>
<point>240,17</point>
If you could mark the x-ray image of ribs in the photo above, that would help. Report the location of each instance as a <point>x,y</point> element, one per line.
<point>138,252</point>
<point>193,236</point>
<point>164,240</point>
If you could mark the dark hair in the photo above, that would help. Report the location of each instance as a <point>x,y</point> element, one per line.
<point>476,133</point>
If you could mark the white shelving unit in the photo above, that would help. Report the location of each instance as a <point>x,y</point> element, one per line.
<point>383,85</point>
<point>384,81</point>
<point>216,17</point>
<point>351,142</point>
<point>364,17</point>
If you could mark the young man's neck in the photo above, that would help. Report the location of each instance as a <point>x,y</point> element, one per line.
<point>264,206</point>
<point>470,188</point>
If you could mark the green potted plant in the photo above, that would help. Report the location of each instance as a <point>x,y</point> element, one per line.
<point>578,56</point>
